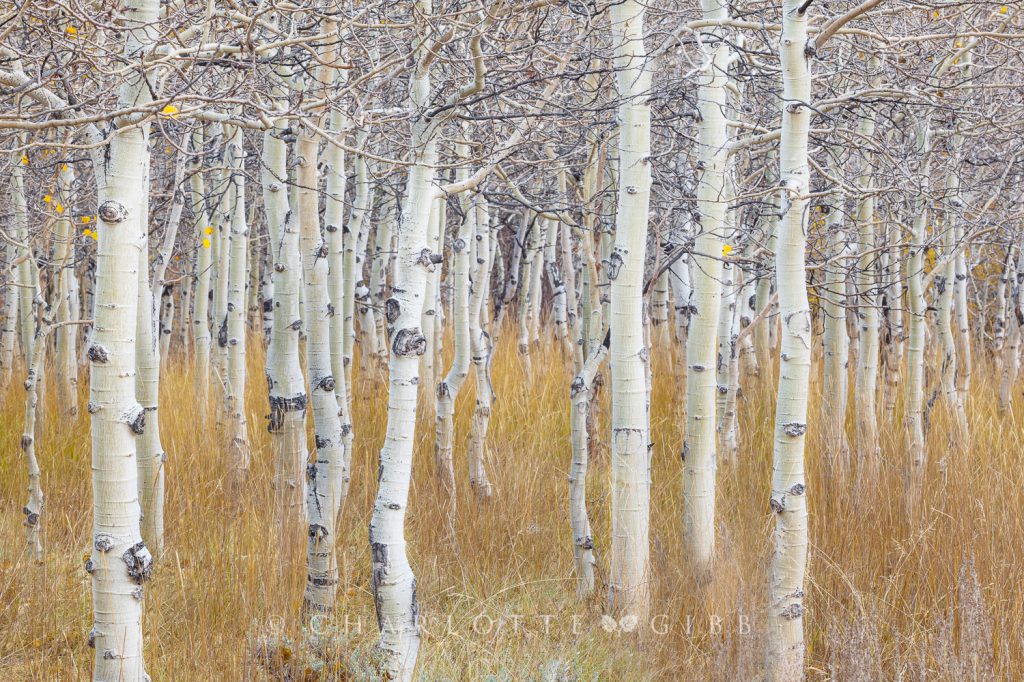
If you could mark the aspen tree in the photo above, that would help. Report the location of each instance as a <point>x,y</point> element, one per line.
<point>67,334</point>
<point>335,230</point>
<point>480,348</point>
<point>835,391</point>
<point>149,450</point>
<point>867,311</point>
<point>789,500</point>
<point>204,267</point>
<point>917,455</point>
<point>33,509</point>
<point>699,461</point>
<point>324,484</point>
<point>629,587</point>
<point>284,374</point>
<point>449,387</point>
<point>120,562</point>
<point>235,327</point>
<point>393,582</point>
<point>8,318</point>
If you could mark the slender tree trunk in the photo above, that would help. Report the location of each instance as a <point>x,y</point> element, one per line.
<point>324,485</point>
<point>285,381</point>
<point>480,346</point>
<point>834,394</point>
<point>64,258</point>
<point>204,270</point>
<point>238,245</point>
<point>706,279</point>
<point>393,582</point>
<point>788,500</point>
<point>629,586</point>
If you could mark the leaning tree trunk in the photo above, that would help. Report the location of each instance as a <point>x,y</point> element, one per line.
<point>448,388</point>
<point>788,500</point>
<point>393,582</point>
<point>629,576</point>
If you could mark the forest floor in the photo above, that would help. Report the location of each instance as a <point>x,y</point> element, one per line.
<point>935,595</point>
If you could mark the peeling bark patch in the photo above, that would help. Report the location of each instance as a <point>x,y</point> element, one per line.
<point>794,429</point>
<point>135,418</point>
<point>792,612</point>
<point>103,542</point>
<point>317,532</point>
<point>409,343</point>
<point>392,309</point>
<point>614,262</point>
<point>98,354</point>
<point>139,562</point>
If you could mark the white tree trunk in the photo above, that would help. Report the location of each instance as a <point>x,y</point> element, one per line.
<point>284,374</point>
<point>480,342</point>
<point>629,578</point>
<point>204,267</point>
<point>867,317</point>
<point>699,461</point>
<point>64,258</point>
<point>325,477</point>
<point>149,451</point>
<point>837,345</point>
<point>236,331</point>
<point>789,501</point>
<point>393,582</point>
<point>120,562</point>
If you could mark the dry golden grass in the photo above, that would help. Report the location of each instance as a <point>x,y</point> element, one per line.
<point>889,597</point>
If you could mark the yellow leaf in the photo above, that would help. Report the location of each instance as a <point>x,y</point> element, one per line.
<point>47,198</point>
<point>169,109</point>
<point>87,232</point>
<point>209,230</point>
<point>60,207</point>
<point>72,31</point>
<point>936,14</point>
<point>64,168</point>
<point>206,243</point>
<point>86,220</point>
<point>1002,10</point>
<point>24,160</point>
<point>167,150</point>
<point>726,249</point>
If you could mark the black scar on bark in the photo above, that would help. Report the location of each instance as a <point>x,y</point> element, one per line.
<point>98,354</point>
<point>139,562</point>
<point>409,343</point>
<point>392,309</point>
